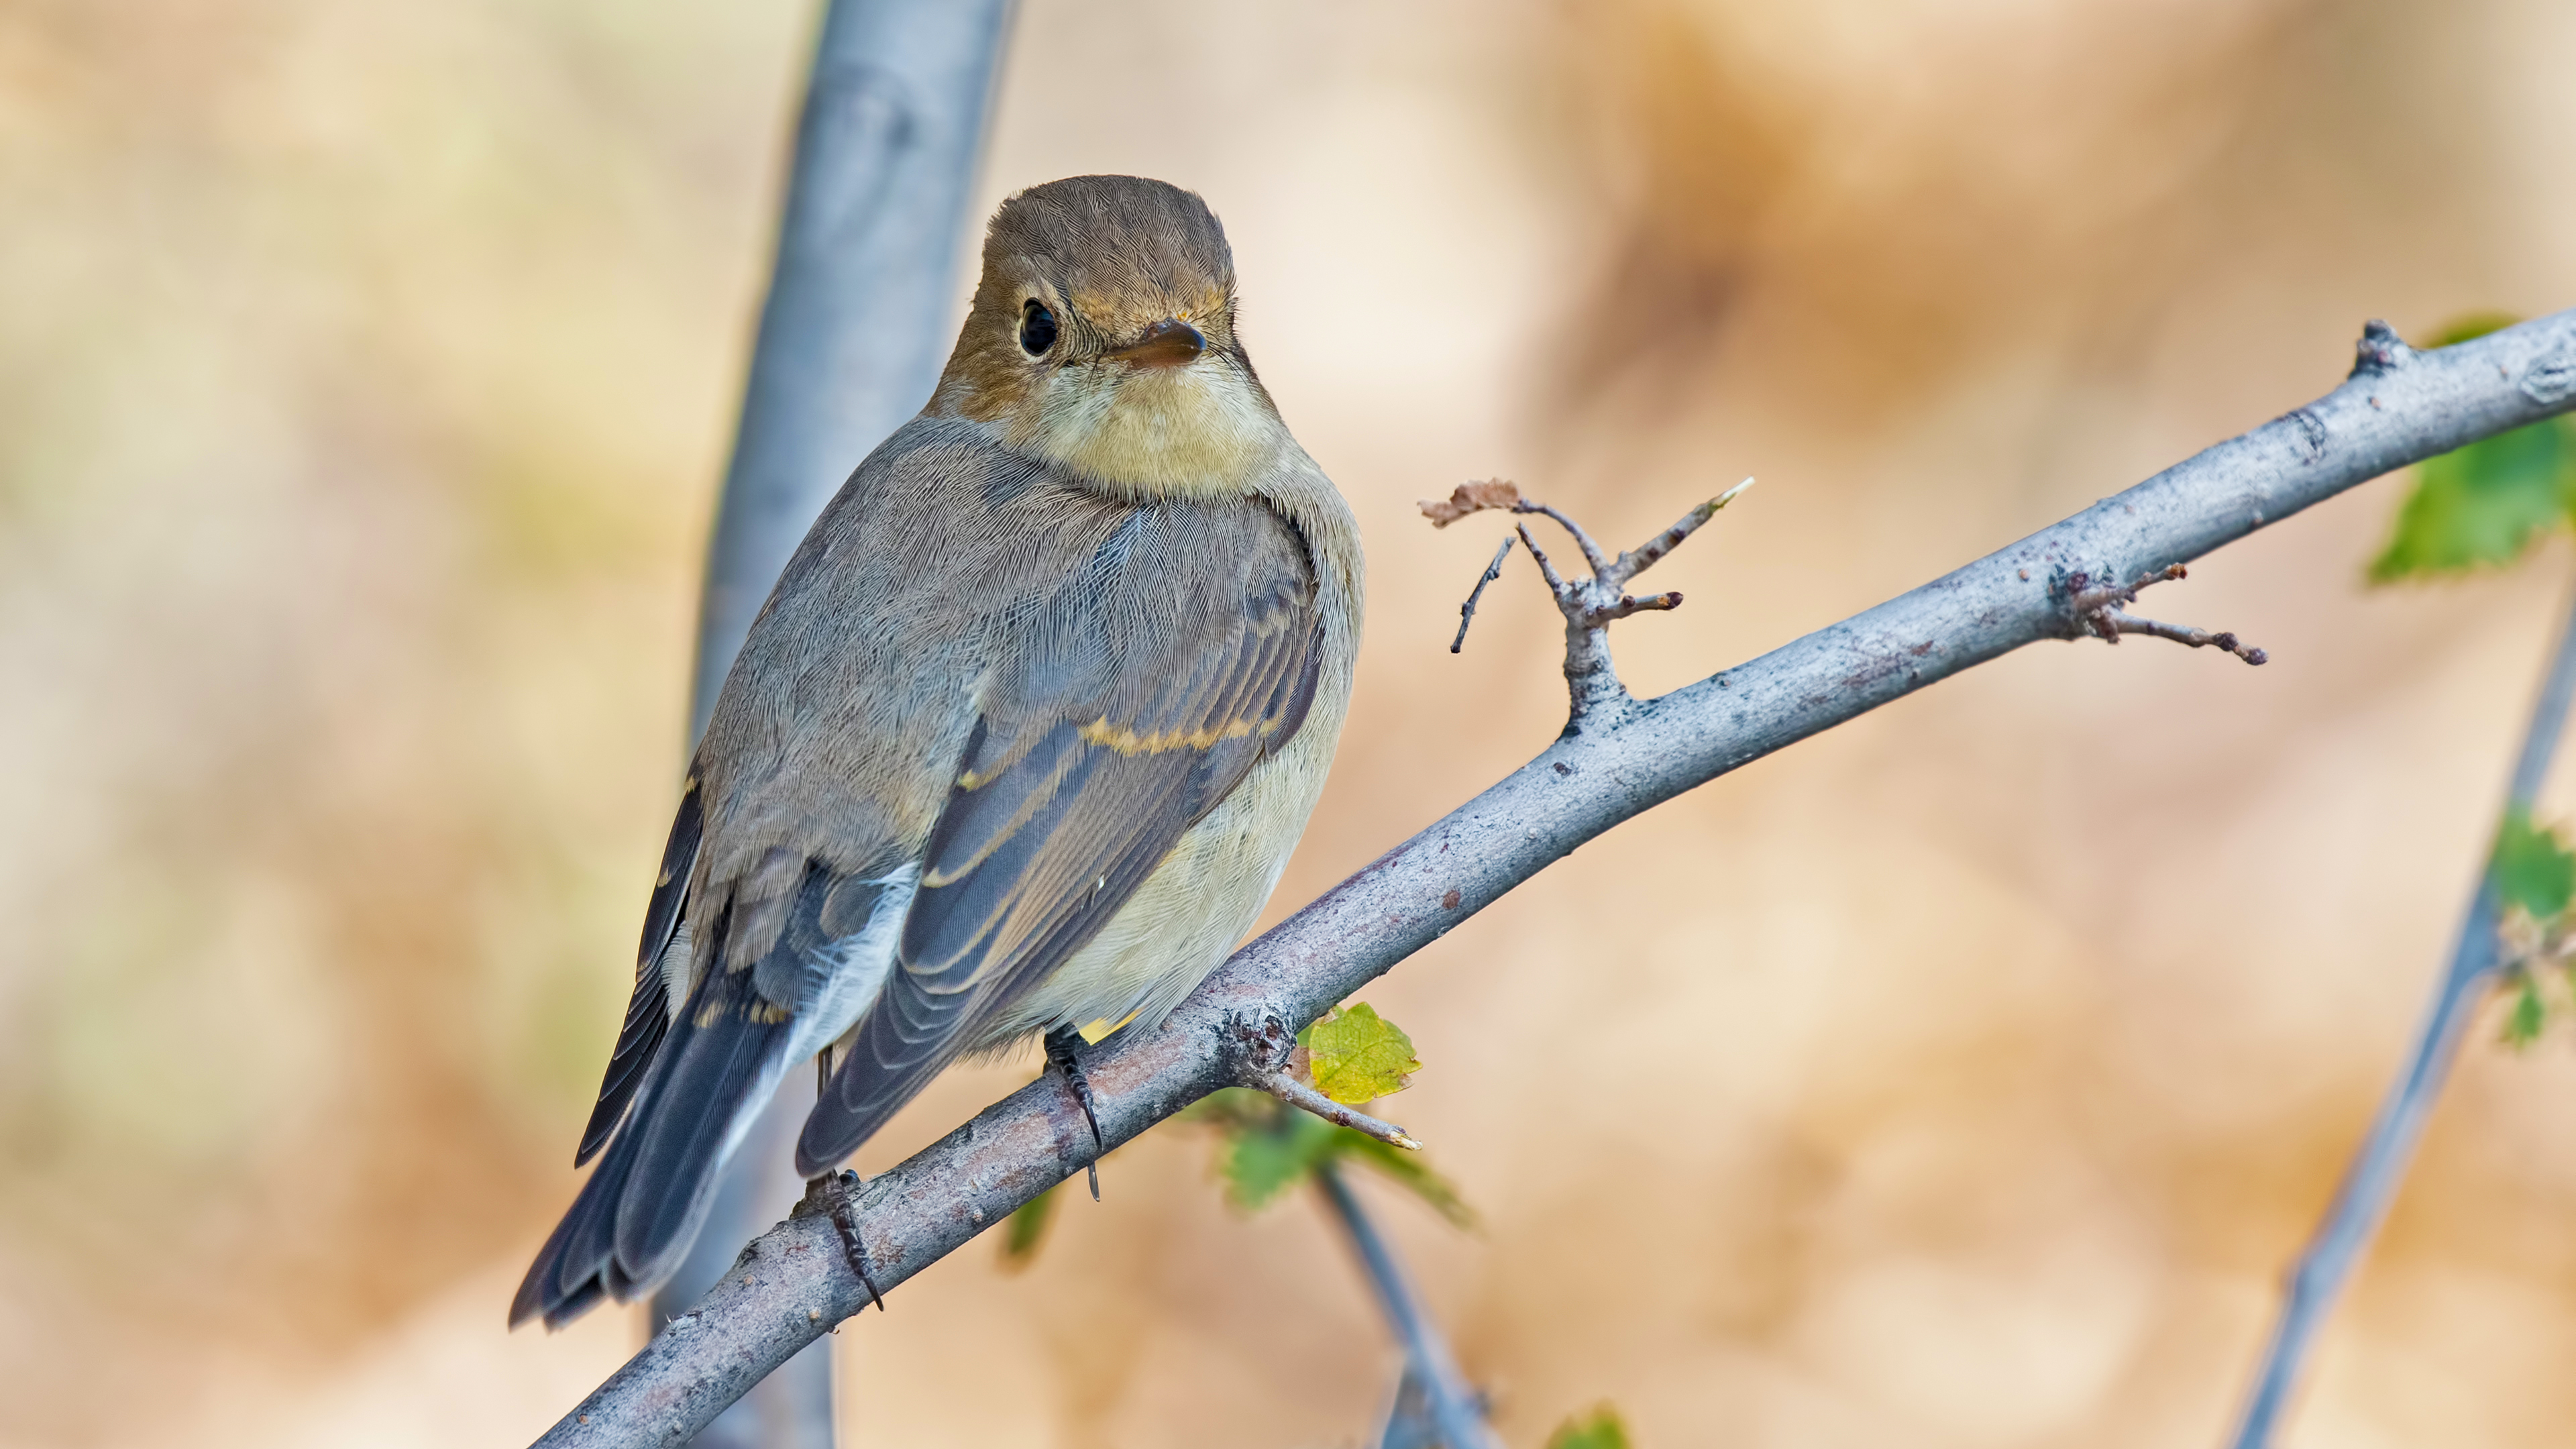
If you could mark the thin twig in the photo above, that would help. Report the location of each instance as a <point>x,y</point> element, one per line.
<point>1593,557</point>
<point>2099,608</point>
<point>1454,1408</point>
<point>1306,1099</point>
<point>2379,1166</point>
<point>1584,782</point>
<point>1467,610</point>
<point>1645,555</point>
<point>2123,623</point>
<point>1628,604</point>
<point>1555,581</point>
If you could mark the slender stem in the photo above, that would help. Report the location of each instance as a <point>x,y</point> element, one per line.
<point>1453,1409</point>
<point>1467,610</point>
<point>1408,1419</point>
<point>1306,1099</point>
<point>2377,1170</point>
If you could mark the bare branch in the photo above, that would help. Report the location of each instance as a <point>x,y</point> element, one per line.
<point>2379,1165</point>
<point>1644,556</point>
<point>1601,771</point>
<point>1306,1099</point>
<point>1467,610</point>
<point>2117,623</point>
<point>1593,557</point>
<point>2099,608</point>
<point>1628,605</point>
<point>1556,583</point>
<point>1455,1410</point>
<point>1592,605</point>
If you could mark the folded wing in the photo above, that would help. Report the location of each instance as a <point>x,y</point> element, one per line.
<point>1124,710</point>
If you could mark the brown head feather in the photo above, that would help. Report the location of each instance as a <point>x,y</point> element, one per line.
<point>1111,257</point>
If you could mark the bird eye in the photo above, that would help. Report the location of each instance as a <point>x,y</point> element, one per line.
<point>1037,328</point>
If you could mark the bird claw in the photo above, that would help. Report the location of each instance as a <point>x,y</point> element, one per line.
<point>837,1205</point>
<point>1062,1054</point>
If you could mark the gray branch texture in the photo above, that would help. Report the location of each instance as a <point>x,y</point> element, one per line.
<point>1619,757</point>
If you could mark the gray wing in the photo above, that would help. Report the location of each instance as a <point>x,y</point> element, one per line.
<point>1130,704</point>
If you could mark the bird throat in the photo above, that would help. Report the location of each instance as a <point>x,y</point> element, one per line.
<point>1197,430</point>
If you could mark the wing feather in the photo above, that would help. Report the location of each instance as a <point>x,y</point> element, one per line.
<point>1151,686</point>
<point>648,1011</point>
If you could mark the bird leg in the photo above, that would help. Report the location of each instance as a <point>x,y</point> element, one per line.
<point>827,1194</point>
<point>1062,1053</point>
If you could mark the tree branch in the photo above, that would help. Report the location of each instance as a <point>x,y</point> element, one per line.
<point>2398,407</point>
<point>1457,1419</point>
<point>2379,1165</point>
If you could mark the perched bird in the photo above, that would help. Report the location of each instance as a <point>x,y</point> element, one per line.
<point>1019,743</point>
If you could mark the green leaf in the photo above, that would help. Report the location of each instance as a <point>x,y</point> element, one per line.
<point>1602,1430</point>
<point>1271,1147</point>
<point>2531,868</point>
<point>2470,326</point>
<point>1026,1229</point>
<point>1407,1170</point>
<point>2481,505</point>
<point>2522,1025</point>
<point>1358,1056</point>
<point>1267,1160</point>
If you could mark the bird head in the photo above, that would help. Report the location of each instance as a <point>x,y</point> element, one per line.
<point>1102,339</point>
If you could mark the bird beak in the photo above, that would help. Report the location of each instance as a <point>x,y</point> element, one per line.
<point>1168,343</point>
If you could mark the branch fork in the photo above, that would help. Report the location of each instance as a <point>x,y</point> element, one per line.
<point>2098,609</point>
<point>1590,605</point>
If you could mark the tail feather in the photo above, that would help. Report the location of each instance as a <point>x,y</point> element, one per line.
<point>722,1075</point>
<point>634,1219</point>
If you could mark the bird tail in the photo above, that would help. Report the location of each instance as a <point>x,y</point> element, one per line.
<point>643,1205</point>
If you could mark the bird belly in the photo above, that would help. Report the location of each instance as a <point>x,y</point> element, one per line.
<point>1198,902</point>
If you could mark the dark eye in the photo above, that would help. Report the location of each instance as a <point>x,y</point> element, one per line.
<point>1037,328</point>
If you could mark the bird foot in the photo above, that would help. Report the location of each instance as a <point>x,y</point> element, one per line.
<point>1063,1046</point>
<point>832,1193</point>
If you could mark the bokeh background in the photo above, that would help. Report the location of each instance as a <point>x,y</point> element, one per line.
<point>1963,1077</point>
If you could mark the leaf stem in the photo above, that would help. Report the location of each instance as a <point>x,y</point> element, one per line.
<point>2379,1167</point>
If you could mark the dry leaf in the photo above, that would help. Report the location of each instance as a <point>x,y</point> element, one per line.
<point>1471,497</point>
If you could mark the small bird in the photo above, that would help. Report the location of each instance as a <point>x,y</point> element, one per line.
<point>1018,745</point>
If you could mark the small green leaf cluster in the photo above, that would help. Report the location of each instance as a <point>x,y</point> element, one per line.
<point>2533,874</point>
<point>1271,1147</point>
<point>2482,505</point>
<point>1600,1429</point>
<point>1354,1056</point>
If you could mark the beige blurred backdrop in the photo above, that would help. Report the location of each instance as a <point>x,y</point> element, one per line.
<point>1963,1077</point>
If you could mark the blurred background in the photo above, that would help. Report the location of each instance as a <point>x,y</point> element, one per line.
<point>1963,1077</point>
